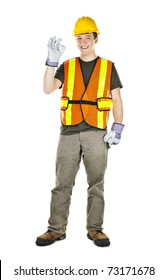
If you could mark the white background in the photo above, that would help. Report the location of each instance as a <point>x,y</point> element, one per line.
<point>133,36</point>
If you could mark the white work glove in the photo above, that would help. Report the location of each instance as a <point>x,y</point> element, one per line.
<point>114,136</point>
<point>55,50</point>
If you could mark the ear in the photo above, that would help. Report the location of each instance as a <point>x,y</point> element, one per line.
<point>96,40</point>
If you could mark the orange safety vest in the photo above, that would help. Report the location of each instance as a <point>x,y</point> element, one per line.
<point>91,104</point>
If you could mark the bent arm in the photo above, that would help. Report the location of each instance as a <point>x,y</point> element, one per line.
<point>117,105</point>
<point>50,83</point>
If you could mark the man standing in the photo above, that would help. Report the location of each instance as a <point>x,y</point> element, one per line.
<point>90,87</point>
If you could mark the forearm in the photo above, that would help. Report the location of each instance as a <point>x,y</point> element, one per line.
<point>49,80</point>
<point>117,106</point>
<point>118,111</point>
<point>114,136</point>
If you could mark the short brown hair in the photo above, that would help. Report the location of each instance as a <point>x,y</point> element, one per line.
<point>94,35</point>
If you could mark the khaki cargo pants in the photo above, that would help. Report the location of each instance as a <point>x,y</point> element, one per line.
<point>90,147</point>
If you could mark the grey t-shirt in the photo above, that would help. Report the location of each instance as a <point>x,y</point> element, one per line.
<point>87,69</point>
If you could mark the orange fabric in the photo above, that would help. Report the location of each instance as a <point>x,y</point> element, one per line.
<point>86,112</point>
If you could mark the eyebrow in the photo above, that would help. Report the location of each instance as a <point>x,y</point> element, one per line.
<point>88,34</point>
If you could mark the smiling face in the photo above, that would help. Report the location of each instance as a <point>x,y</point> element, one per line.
<point>85,43</point>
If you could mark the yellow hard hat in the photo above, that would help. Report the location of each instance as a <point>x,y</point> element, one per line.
<point>85,25</point>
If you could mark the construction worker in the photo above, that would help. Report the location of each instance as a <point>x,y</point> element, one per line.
<point>90,87</point>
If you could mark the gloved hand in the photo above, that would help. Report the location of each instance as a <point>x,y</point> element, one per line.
<point>114,136</point>
<point>55,50</point>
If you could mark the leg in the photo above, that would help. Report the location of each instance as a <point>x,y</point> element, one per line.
<point>95,153</point>
<point>67,165</point>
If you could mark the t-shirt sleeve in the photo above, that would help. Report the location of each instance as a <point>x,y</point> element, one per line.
<point>59,74</point>
<point>115,80</point>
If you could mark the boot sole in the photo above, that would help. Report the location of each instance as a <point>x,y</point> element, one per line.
<point>100,242</point>
<point>45,242</point>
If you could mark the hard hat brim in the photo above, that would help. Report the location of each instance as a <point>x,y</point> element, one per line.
<point>85,32</point>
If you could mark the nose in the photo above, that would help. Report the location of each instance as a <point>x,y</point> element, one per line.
<point>83,40</point>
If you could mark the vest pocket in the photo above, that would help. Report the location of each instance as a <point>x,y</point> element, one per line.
<point>104,103</point>
<point>64,103</point>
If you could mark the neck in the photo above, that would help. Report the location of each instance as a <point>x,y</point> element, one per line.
<point>88,57</point>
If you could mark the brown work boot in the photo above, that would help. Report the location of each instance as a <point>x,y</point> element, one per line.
<point>49,238</point>
<point>100,239</point>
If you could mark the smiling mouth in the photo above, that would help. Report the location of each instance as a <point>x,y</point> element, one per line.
<point>84,48</point>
